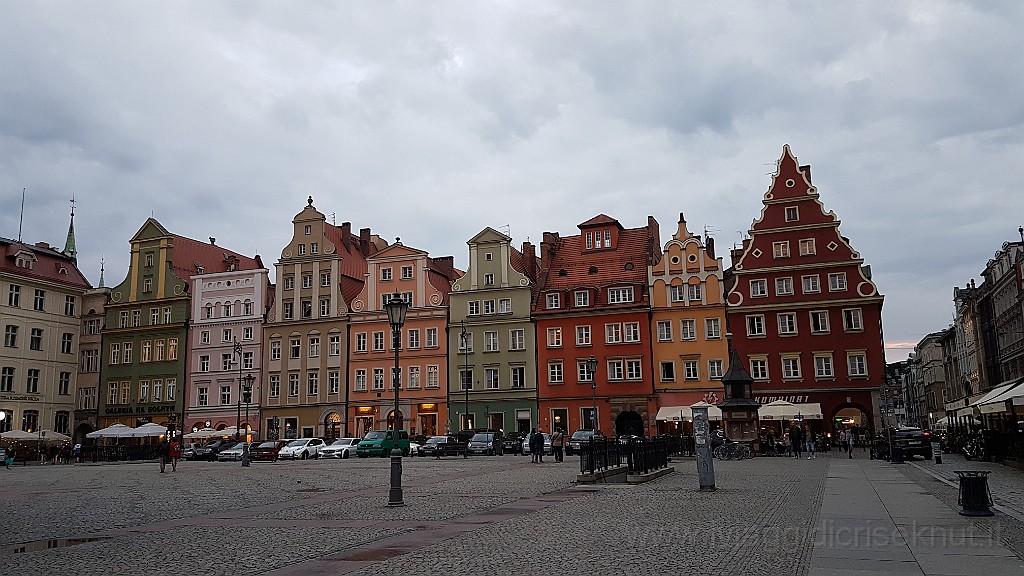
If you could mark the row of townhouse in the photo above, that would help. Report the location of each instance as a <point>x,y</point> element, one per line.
<point>507,344</point>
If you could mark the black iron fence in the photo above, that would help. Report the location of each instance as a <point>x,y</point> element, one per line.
<point>640,455</point>
<point>118,453</point>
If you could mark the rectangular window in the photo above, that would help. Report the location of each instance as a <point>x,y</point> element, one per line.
<point>694,292</point>
<point>755,325</point>
<point>204,363</point>
<point>225,362</point>
<point>620,295</point>
<point>143,390</point>
<point>289,282</point>
<point>758,288</point>
<point>225,395</point>
<point>516,339</point>
<point>378,378</point>
<point>553,302</point>
<point>360,341</point>
<point>664,331</point>
<point>294,348</point>
<point>69,305</point>
<point>823,367</point>
<point>433,380</point>
<point>712,328</point>
<point>204,337</point>
<point>312,383</point>
<point>488,279</point>
<point>615,371</point>
<point>488,306</point>
<point>325,307</point>
<point>414,377</point>
<point>307,309</point>
<point>154,316</point>
<point>819,322</point>
<point>14,296</point>
<point>11,336</point>
<point>247,333</point>
<point>64,384</point>
<point>204,396</point>
<point>633,370</point>
<point>668,371</point>
<point>414,338</point>
<point>227,311</point>
<point>35,340</point>
<point>466,343</point>
<point>325,279</point>
<point>112,393</point>
<point>474,308</point>
<point>759,369</point>
<point>678,293</point>
<point>632,331</point>
<point>385,273</point>
<point>360,380</point>
<point>334,345</point>
<point>208,311</point>
<point>852,320</point>
<point>247,360</point>
<point>314,248</point>
<point>126,392</point>
<point>302,249</point>
<point>431,338</point>
<point>792,214</point>
<point>790,367</point>
<point>612,333</point>
<point>247,308</point>
<point>807,247</point>
<point>90,361</point>
<point>275,350</point>
<point>812,284</point>
<point>491,376</point>
<point>582,298</point>
<point>787,323</point>
<point>583,373</point>
<point>554,337</point>
<point>136,318</point>
<point>293,384</point>
<point>491,341</point>
<point>715,369</point>
<point>783,286</point>
<point>123,319</point>
<point>67,343</point>
<point>115,353</point>
<point>554,372</point>
<point>225,335</point>
<point>92,327</point>
<point>406,272</point>
<point>378,341</point>
<point>39,304</point>
<point>307,280</point>
<point>687,329</point>
<point>781,249</point>
<point>172,348</point>
<point>583,336</point>
<point>505,306</point>
<point>32,382</point>
<point>590,240</point>
<point>127,358</point>
<point>518,376</point>
<point>289,311</point>
<point>858,364</point>
<point>158,351</point>
<point>172,387</point>
<point>314,347</point>
<point>837,282</point>
<point>691,370</point>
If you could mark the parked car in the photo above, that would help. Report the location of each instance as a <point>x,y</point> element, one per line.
<point>442,446</point>
<point>487,443</point>
<point>547,444</point>
<point>512,443</point>
<point>414,448</point>
<point>381,442</point>
<point>913,442</point>
<point>266,451</point>
<point>188,451</point>
<point>210,450</point>
<point>340,448</point>
<point>232,453</point>
<point>578,440</point>
<point>302,449</point>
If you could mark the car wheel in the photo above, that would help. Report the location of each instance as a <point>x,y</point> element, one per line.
<point>344,454</point>
<point>305,455</point>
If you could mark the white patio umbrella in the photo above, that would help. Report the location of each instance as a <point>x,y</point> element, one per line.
<point>200,434</point>
<point>51,436</point>
<point>112,431</point>
<point>150,429</point>
<point>19,435</point>
<point>778,410</point>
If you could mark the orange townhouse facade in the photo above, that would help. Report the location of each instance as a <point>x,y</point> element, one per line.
<point>689,348</point>
<point>424,283</point>
<point>592,299</point>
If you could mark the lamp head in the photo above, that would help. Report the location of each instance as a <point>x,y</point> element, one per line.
<point>396,309</point>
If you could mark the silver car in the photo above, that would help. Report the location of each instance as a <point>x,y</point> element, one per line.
<point>232,454</point>
<point>547,444</point>
<point>340,448</point>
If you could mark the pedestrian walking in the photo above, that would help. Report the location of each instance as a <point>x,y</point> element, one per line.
<point>9,459</point>
<point>809,442</point>
<point>77,451</point>
<point>796,440</point>
<point>532,443</point>
<point>174,453</point>
<point>163,452</point>
<point>540,446</point>
<point>556,444</point>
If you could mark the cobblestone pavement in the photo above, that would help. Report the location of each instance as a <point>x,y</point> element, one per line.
<point>481,515</point>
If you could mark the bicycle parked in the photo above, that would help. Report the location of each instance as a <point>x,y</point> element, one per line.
<point>733,451</point>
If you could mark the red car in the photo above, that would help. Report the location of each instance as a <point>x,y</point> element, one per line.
<point>266,451</point>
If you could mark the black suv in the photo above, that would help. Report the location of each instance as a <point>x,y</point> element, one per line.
<point>913,442</point>
<point>442,446</point>
<point>487,442</point>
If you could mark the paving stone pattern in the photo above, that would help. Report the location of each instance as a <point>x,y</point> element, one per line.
<point>466,516</point>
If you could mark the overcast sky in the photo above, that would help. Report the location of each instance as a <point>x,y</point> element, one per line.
<point>431,120</point>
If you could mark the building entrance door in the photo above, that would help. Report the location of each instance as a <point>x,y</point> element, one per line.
<point>363,425</point>
<point>428,424</point>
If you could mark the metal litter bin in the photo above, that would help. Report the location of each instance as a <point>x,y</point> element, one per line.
<point>896,454</point>
<point>975,497</point>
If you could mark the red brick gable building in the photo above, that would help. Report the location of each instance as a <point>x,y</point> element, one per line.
<point>802,307</point>
<point>592,299</point>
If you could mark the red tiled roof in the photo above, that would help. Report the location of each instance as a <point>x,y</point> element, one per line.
<point>48,266</point>
<point>600,220</point>
<point>353,262</point>
<point>189,253</point>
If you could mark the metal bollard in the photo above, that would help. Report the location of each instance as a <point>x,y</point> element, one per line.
<point>974,497</point>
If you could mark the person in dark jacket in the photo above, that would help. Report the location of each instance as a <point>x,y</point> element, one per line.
<point>796,439</point>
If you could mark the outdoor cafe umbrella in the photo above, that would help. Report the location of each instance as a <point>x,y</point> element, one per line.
<point>19,435</point>
<point>112,431</point>
<point>51,436</point>
<point>778,410</point>
<point>150,429</point>
<point>200,434</point>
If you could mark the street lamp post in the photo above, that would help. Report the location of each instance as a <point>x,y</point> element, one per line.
<point>396,309</point>
<point>247,396</point>
<point>592,368</point>
<point>464,377</point>
<point>237,347</point>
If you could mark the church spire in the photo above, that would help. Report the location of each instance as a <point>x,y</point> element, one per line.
<point>69,246</point>
<point>102,262</point>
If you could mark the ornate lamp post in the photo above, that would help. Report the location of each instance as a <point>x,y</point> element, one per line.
<point>237,347</point>
<point>464,376</point>
<point>396,309</point>
<point>247,396</point>
<point>592,368</point>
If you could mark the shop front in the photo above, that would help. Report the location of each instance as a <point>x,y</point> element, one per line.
<point>673,413</point>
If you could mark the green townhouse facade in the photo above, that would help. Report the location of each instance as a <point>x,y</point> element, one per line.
<point>144,361</point>
<point>492,360</point>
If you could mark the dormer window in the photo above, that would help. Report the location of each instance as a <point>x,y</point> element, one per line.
<point>553,301</point>
<point>24,260</point>
<point>597,239</point>
<point>620,295</point>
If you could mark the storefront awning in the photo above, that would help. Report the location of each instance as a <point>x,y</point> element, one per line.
<point>684,414</point>
<point>997,403</point>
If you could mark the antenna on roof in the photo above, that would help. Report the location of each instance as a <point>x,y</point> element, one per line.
<point>333,222</point>
<point>507,228</point>
<point>22,217</point>
<point>708,230</point>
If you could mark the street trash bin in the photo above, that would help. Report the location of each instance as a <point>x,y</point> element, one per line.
<point>896,454</point>
<point>975,497</point>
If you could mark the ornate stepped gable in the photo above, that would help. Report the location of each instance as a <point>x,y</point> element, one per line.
<point>791,189</point>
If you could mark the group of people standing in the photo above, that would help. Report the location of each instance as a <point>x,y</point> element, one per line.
<point>536,443</point>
